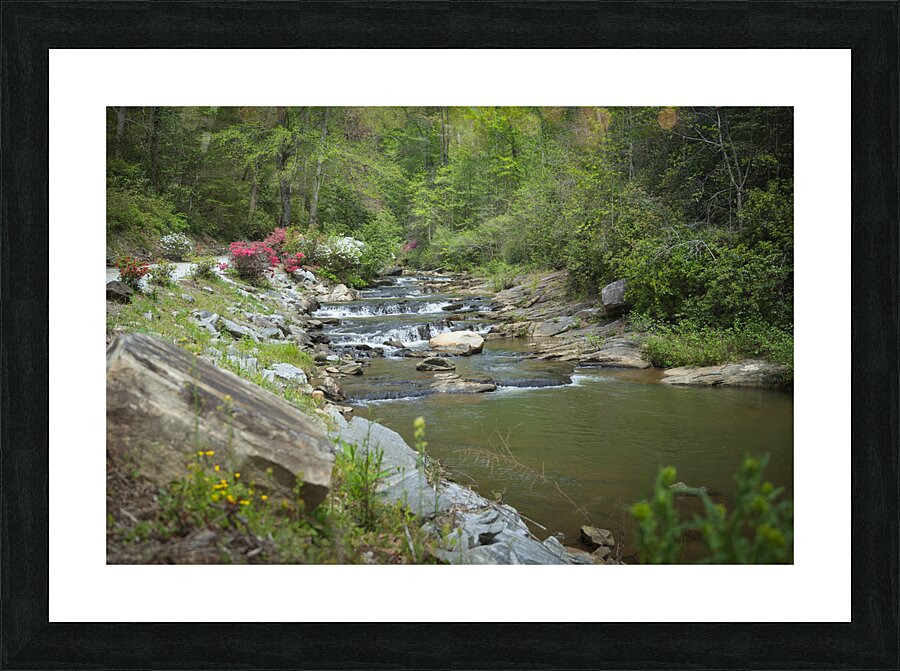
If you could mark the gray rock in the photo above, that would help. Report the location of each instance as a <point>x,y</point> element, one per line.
<point>304,275</point>
<point>160,400</point>
<point>208,290</point>
<point>247,363</point>
<point>553,327</point>
<point>187,297</point>
<point>597,537</point>
<point>749,373</point>
<point>270,333</point>
<point>393,343</point>
<point>568,555</point>
<point>351,369</point>
<point>289,372</point>
<point>616,353</point>
<point>392,271</point>
<point>463,386</point>
<point>118,292</point>
<point>434,363</point>
<point>613,298</point>
<point>342,294</point>
<point>237,331</point>
<point>332,390</point>
<point>589,314</point>
<point>446,376</point>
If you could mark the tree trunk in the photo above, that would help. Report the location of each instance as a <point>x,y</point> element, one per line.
<point>314,202</point>
<point>120,131</point>
<point>445,144</point>
<point>154,148</point>
<point>284,179</point>
<point>254,195</point>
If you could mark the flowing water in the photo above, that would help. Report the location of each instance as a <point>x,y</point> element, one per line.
<point>561,444</point>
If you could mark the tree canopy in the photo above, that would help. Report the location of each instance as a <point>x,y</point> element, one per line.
<point>693,206</point>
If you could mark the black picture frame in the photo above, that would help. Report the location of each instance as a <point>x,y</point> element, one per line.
<point>869,29</point>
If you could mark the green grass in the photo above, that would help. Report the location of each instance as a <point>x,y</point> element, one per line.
<point>173,322</point>
<point>350,526</point>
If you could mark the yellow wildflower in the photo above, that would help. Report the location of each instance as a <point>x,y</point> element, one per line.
<point>214,497</point>
<point>209,453</point>
<point>244,502</point>
<point>230,498</point>
<point>264,497</point>
<point>216,468</point>
<point>237,475</point>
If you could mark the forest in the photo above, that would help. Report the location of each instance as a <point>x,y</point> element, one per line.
<point>693,206</point>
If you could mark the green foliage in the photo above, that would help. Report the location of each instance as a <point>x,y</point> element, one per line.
<point>692,344</point>
<point>500,274</point>
<point>162,274</point>
<point>203,267</point>
<point>361,471</point>
<point>149,214</point>
<point>693,206</point>
<point>757,530</point>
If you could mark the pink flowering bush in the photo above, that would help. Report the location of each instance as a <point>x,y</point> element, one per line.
<point>252,260</point>
<point>275,240</point>
<point>294,262</point>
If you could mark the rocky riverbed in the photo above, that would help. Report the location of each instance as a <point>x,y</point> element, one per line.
<point>429,335</point>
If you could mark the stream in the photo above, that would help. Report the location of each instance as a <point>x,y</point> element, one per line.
<point>564,445</point>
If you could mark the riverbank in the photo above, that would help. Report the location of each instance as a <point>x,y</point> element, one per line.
<point>599,331</point>
<point>267,337</point>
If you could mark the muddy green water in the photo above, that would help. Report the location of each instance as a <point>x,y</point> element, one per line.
<point>578,451</point>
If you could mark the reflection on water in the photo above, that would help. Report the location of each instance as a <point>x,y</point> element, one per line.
<point>600,439</point>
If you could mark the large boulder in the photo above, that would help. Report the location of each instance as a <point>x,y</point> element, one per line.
<point>118,292</point>
<point>163,405</point>
<point>749,373</point>
<point>392,271</point>
<point>613,298</point>
<point>341,294</point>
<point>457,342</point>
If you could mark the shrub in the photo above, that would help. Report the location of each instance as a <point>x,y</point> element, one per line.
<point>128,210</point>
<point>691,344</point>
<point>131,271</point>
<point>758,530</point>
<point>276,240</point>
<point>500,275</point>
<point>162,274</point>
<point>203,267</point>
<point>362,473</point>
<point>174,246</point>
<point>251,260</point>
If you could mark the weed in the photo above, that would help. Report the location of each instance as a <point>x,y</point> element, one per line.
<point>758,530</point>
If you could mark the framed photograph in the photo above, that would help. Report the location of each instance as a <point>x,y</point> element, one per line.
<point>471,333</point>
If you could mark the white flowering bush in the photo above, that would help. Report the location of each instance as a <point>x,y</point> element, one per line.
<point>337,258</point>
<point>174,246</point>
<point>344,251</point>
